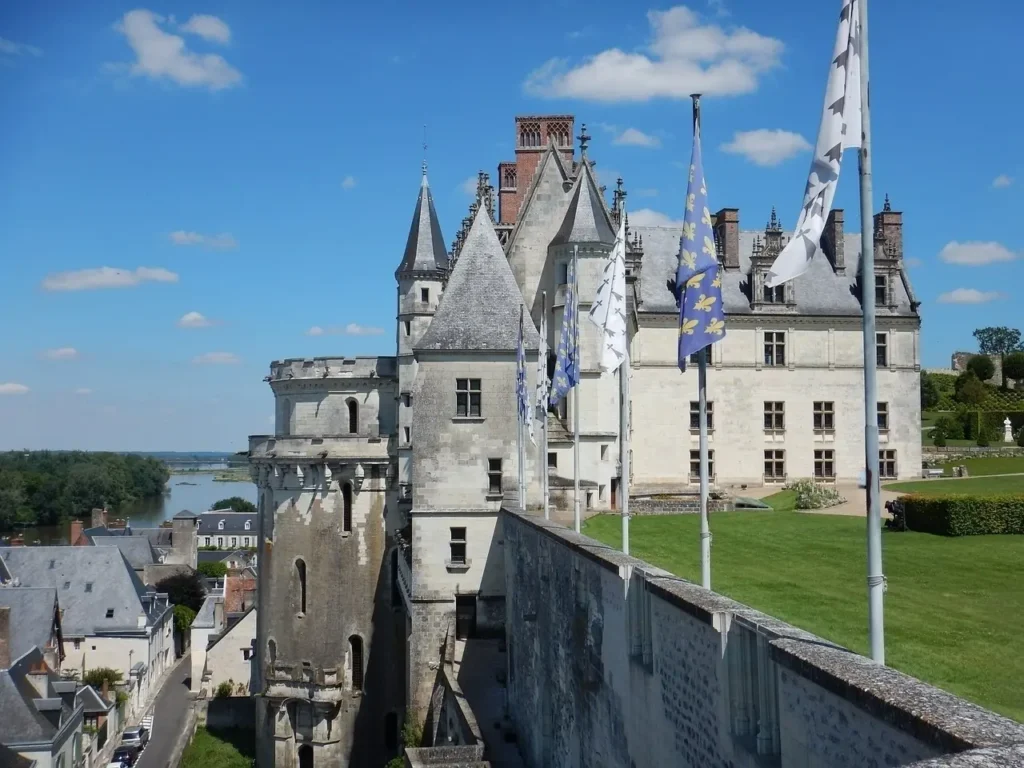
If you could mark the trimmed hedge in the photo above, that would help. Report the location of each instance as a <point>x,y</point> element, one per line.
<point>965,515</point>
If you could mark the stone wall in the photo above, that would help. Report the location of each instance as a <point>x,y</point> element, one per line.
<point>613,662</point>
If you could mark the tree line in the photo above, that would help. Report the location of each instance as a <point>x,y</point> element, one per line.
<point>50,487</point>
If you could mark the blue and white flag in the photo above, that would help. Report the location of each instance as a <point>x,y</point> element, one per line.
<point>522,396</point>
<point>567,366</point>
<point>608,311</point>
<point>698,278</point>
<point>541,395</point>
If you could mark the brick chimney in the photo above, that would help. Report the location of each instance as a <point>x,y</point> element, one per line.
<point>105,690</point>
<point>99,518</point>
<point>834,241</point>
<point>727,232</point>
<point>890,224</point>
<point>5,637</point>
<point>533,135</point>
<point>76,531</point>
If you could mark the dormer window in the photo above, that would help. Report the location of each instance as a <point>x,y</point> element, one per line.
<point>248,525</point>
<point>776,295</point>
<point>220,525</point>
<point>881,290</point>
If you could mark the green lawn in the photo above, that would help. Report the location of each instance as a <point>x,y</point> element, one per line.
<point>988,466</point>
<point>975,486</point>
<point>226,749</point>
<point>953,610</point>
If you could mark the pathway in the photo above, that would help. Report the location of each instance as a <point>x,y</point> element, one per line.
<point>169,717</point>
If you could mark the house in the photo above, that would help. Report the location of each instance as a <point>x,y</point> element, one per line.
<point>227,529</point>
<point>34,619</point>
<point>100,714</point>
<point>229,657</point>
<point>233,559</point>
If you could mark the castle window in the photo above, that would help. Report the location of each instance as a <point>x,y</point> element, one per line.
<point>563,273</point>
<point>883,417</point>
<point>881,289</point>
<point>457,545</point>
<point>353,417</point>
<point>494,477</point>
<point>825,464</point>
<point>408,434</point>
<point>776,295</point>
<point>887,464</point>
<point>110,613</point>
<point>552,460</point>
<point>346,508</point>
<point>882,349</point>
<point>408,327</point>
<point>467,397</point>
<point>774,348</point>
<point>774,415</point>
<point>425,295</point>
<point>695,466</point>
<point>305,756</point>
<point>824,414</point>
<point>406,399</point>
<point>774,466</point>
<point>300,574</point>
<point>355,644</point>
<point>695,415</point>
<point>604,453</point>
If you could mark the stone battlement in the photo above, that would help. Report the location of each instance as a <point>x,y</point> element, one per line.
<point>333,368</point>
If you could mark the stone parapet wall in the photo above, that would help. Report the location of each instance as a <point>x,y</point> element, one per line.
<point>643,668</point>
<point>673,505</point>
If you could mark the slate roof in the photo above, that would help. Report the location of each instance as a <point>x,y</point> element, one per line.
<point>425,249</point>
<point>222,556</point>
<point>479,309</point>
<point>21,721</point>
<point>89,581</point>
<point>586,220</point>
<point>185,514</point>
<point>206,617</point>
<point>31,619</point>
<point>90,698</point>
<point>819,291</point>
<point>137,550</point>
<point>11,759</point>
<point>234,522</point>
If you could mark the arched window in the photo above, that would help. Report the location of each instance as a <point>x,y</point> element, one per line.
<point>305,756</point>
<point>346,507</point>
<point>248,525</point>
<point>353,417</point>
<point>355,646</point>
<point>300,571</point>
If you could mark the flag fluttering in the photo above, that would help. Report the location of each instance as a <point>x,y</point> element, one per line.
<point>541,394</point>
<point>522,396</point>
<point>840,130</point>
<point>698,276</point>
<point>609,309</point>
<point>567,366</point>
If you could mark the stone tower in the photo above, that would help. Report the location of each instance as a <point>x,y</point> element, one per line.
<point>329,674</point>
<point>420,277</point>
<point>464,453</point>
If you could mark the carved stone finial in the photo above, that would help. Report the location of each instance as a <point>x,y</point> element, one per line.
<point>886,206</point>
<point>773,223</point>
<point>584,137</point>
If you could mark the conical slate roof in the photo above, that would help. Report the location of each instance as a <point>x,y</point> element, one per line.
<point>479,309</point>
<point>424,250</point>
<point>586,221</point>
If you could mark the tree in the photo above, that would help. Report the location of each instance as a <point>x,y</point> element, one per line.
<point>929,392</point>
<point>183,618</point>
<point>1013,366</point>
<point>982,367</point>
<point>1000,341</point>
<point>236,503</point>
<point>97,676</point>
<point>969,390</point>
<point>214,570</point>
<point>183,589</point>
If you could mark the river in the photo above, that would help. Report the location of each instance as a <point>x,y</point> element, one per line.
<point>196,491</point>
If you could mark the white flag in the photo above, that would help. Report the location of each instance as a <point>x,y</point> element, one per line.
<point>840,130</point>
<point>540,405</point>
<point>609,309</point>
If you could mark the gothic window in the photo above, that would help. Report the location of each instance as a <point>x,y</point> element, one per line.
<point>774,348</point>
<point>883,417</point>
<point>775,465</point>
<point>776,295</point>
<point>824,414</point>
<point>467,397</point>
<point>494,477</point>
<point>882,349</point>
<point>457,545</point>
<point>774,415</point>
<point>355,644</point>
<point>881,287</point>
<point>558,134</point>
<point>300,573</point>
<point>353,417</point>
<point>305,756</point>
<point>508,176</point>
<point>695,415</point>
<point>529,135</point>
<point>695,466</point>
<point>887,464</point>
<point>824,464</point>
<point>346,507</point>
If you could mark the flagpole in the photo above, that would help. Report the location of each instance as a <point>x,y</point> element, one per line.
<point>872,489</point>
<point>520,448</point>
<point>544,409</point>
<point>624,445</point>
<point>576,398</point>
<point>702,410</point>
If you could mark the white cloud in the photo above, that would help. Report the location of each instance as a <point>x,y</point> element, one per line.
<point>352,329</point>
<point>766,147</point>
<point>12,48</point>
<point>194,320</point>
<point>61,353</point>
<point>684,56</point>
<point>975,254</point>
<point>161,55</point>
<point>969,296</point>
<point>10,388</point>
<point>83,391</point>
<point>106,277</point>
<point>912,262</point>
<point>632,137</point>
<point>718,7</point>
<point>1002,181</point>
<point>208,27</point>
<point>468,187</point>
<point>221,242</point>
<point>348,182</point>
<point>217,358</point>
<point>645,217</point>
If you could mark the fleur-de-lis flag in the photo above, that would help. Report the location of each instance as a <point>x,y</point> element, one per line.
<point>541,395</point>
<point>840,130</point>
<point>567,366</point>
<point>609,309</point>
<point>522,396</point>
<point>698,279</point>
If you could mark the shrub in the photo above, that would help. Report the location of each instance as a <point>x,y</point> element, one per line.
<point>952,428</point>
<point>1013,366</point>
<point>212,570</point>
<point>939,438</point>
<point>1020,437</point>
<point>929,392</point>
<point>982,367</point>
<point>983,441</point>
<point>225,689</point>
<point>812,495</point>
<point>965,515</point>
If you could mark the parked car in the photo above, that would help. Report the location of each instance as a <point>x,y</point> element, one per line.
<point>126,755</point>
<point>118,764</point>
<point>136,736</point>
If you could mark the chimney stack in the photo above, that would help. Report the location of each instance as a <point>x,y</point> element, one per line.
<point>99,518</point>
<point>727,232</point>
<point>105,690</point>
<point>76,531</point>
<point>5,637</point>
<point>834,240</point>
<point>889,224</point>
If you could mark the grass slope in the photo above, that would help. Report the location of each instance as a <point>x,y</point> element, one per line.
<point>953,608</point>
<point>995,465</point>
<point>969,486</point>
<point>226,749</point>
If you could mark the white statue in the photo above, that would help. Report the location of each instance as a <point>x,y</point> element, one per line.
<point>1007,430</point>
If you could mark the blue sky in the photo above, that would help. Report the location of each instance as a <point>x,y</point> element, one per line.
<point>251,168</point>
